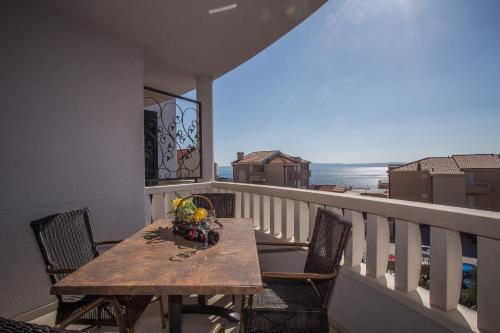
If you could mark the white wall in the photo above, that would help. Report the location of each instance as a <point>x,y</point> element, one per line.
<point>71,126</point>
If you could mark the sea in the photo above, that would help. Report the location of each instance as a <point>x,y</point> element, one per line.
<point>359,175</point>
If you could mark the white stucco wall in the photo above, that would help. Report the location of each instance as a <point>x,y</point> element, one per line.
<point>71,125</point>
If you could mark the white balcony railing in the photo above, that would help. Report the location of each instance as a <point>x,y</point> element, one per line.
<point>289,214</point>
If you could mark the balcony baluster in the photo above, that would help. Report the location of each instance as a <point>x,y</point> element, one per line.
<point>237,204</point>
<point>488,293</point>
<point>355,244</point>
<point>275,216</point>
<point>446,268</point>
<point>408,256</point>
<point>265,218</point>
<point>256,210</point>
<point>377,246</point>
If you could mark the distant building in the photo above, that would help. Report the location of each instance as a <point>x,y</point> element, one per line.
<point>471,181</point>
<point>188,162</point>
<point>271,168</point>
<point>329,188</point>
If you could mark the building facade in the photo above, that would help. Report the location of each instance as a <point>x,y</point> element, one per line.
<point>271,168</point>
<point>471,181</point>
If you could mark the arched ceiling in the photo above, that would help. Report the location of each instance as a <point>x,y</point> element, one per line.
<point>183,39</point>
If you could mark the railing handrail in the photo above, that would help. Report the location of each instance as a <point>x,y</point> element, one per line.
<point>289,213</point>
<point>176,187</point>
<point>479,222</point>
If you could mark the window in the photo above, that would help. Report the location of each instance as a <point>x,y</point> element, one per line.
<point>469,178</point>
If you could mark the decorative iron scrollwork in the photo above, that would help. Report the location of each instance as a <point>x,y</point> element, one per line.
<point>172,136</point>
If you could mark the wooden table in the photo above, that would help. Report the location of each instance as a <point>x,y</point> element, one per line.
<point>154,261</point>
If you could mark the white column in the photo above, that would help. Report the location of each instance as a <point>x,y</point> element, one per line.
<point>488,293</point>
<point>275,215</point>
<point>169,209</point>
<point>377,245</point>
<point>256,210</point>
<point>300,221</point>
<point>287,218</point>
<point>313,209</point>
<point>247,205</point>
<point>446,268</point>
<point>408,255</point>
<point>237,205</point>
<point>265,218</point>
<point>204,94</point>
<point>158,206</point>
<point>356,243</point>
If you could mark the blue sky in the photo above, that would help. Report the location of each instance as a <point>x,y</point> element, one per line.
<point>370,81</point>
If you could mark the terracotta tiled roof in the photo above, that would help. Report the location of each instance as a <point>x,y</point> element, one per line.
<point>477,161</point>
<point>328,188</point>
<point>282,160</point>
<point>268,156</point>
<point>183,153</point>
<point>435,165</point>
<point>257,157</point>
<point>293,158</point>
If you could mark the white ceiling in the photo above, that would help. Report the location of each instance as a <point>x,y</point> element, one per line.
<point>182,40</point>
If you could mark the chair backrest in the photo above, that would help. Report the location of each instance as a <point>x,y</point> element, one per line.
<point>223,203</point>
<point>65,240</point>
<point>327,244</point>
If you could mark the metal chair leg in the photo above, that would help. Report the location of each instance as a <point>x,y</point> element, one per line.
<point>162,312</point>
<point>218,328</point>
<point>118,315</point>
<point>242,314</point>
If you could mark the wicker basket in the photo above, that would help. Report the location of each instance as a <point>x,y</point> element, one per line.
<point>196,231</point>
<point>178,218</point>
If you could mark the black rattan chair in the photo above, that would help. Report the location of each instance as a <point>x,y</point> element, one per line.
<point>297,302</point>
<point>67,243</point>
<point>223,203</point>
<point>14,326</point>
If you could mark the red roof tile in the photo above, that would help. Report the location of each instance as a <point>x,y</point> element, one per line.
<point>434,165</point>
<point>477,161</point>
<point>257,157</point>
<point>268,156</point>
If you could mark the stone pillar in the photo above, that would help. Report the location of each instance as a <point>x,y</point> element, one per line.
<point>204,94</point>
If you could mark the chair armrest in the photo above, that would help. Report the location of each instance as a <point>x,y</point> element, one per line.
<point>282,244</point>
<point>59,270</point>
<point>108,242</point>
<point>298,276</point>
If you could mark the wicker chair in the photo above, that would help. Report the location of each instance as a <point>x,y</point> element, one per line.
<point>13,326</point>
<point>223,203</point>
<point>297,302</point>
<point>67,243</point>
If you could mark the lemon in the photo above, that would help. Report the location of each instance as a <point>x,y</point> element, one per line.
<point>200,214</point>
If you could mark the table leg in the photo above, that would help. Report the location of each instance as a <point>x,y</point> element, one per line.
<point>174,313</point>
<point>203,308</point>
